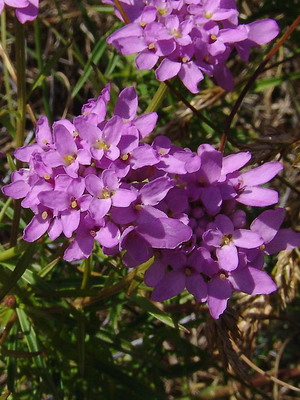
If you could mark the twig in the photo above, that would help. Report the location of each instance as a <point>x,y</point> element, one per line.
<point>277,361</point>
<point>262,372</point>
<point>252,79</point>
<point>192,108</point>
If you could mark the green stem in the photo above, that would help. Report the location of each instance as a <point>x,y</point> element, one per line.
<point>86,273</point>
<point>4,208</point>
<point>192,108</point>
<point>157,98</point>
<point>38,47</point>
<point>21,104</point>
<point>5,70</point>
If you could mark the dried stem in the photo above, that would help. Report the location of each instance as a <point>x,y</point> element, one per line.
<point>21,117</point>
<point>252,79</point>
<point>192,108</point>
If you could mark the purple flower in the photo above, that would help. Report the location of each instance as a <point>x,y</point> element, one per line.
<point>26,10</point>
<point>188,39</point>
<point>95,180</point>
<point>226,241</point>
<point>184,272</point>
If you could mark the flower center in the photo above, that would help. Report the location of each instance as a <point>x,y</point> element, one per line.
<point>151,46</point>
<point>74,204</point>
<point>188,271</point>
<point>138,207</point>
<point>101,145</point>
<point>162,152</point>
<point>176,33</point>
<point>222,276</point>
<point>262,247</point>
<point>125,157</point>
<point>69,159</point>
<point>213,37</point>
<point>75,134</point>
<point>93,232</point>
<point>226,240</point>
<point>106,194</point>
<point>47,177</point>
<point>184,59</point>
<point>44,215</point>
<point>208,15</point>
<point>142,24</point>
<point>162,11</point>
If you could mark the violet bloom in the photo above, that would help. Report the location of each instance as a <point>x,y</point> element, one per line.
<point>267,225</point>
<point>181,63</point>
<point>43,221</point>
<point>68,200</point>
<point>26,10</point>
<point>66,154</point>
<point>226,241</point>
<point>44,141</point>
<point>181,272</point>
<point>188,39</point>
<point>244,278</point>
<point>247,185</point>
<point>101,142</point>
<point>88,231</point>
<point>106,192</point>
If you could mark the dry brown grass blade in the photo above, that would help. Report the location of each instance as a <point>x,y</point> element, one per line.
<point>266,374</point>
<point>11,70</point>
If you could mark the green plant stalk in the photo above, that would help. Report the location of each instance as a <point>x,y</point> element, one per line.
<point>157,98</point>
<point>88,265</point>
<point>21,104</point>
<point>5,70</point>
<point>37,39</point>
<point>4,208</point>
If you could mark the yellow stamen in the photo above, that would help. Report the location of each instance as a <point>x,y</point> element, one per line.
<point>222,276</point>
<point>262,247</point>
<point>125,157</point>
<point>176,33</point>
<point>75,134</point>
<point>162,152</point>
<point>101,145</point>
<point>47,177</point>
<point>162,11</point>
<point>45,141</point>
<point>213,37</point>
<point>142,24</point>
<point>151,46</point>
<point>44,215</point>
<point>69,159</point>
<point>184,59</point>
<point>74,204</point>
<point>138,207</point>
<point>106,194</point>
<point>208,15</point>
<point>226,240</point>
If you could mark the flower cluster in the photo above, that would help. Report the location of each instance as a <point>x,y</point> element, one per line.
<point>188,38</point>
<point>95,180</point>
<point>26,10</point>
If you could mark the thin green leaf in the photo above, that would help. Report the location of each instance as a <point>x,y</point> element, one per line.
<point>157,313</point>
<point>48,67</point>
<point>11,163</point>
<point>95,57</point>
<point>21,267</point>
<point>13,251</point>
